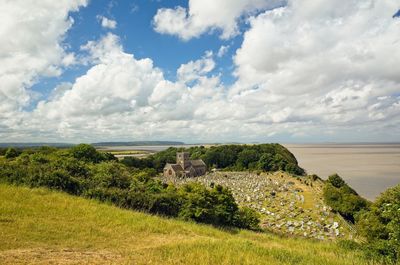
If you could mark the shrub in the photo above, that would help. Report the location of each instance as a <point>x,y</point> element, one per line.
<point>213,206</point>
<point>57,179</point>
<point>165,203</point>
<point>110,175</point>
<point>88,153</point>
<point>381,225</point>
<point>343,199</point>
<point>11,153</point>
<point>247,218</point>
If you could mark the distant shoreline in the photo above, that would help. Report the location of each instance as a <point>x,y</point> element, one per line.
<point>178,143</point>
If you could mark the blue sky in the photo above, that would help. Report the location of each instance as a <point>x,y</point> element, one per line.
<point>134,20</point>
<point>200,71</point>
<point>138,37</point>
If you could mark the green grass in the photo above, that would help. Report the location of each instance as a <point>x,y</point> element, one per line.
<point>43,226</point>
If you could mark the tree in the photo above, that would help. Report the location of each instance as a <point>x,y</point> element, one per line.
<point>336,181</point>
<point>88,153</point>
<point>265,162</point>
<point>381,225</point>
<point>247,218</point>
<point>110,175</point>
<point>216,206</point>
<point>11,153</point>
<point>85,152</point>
<point>246,157</point>
<point>342,198</point>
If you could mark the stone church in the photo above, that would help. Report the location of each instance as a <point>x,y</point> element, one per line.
<point>184,167</point>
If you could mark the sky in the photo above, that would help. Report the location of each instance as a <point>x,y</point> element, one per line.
<point>290,71</point>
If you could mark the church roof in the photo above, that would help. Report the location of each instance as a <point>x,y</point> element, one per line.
<point>176,167</point>
<point>197,163</point>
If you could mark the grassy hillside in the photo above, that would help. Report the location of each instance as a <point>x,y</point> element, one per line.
<point>42,226</point>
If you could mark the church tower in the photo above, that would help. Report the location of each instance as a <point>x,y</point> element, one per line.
<point>182,159</point>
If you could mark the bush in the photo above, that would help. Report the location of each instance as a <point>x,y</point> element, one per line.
<point>213,206</point>
<point>343,199</point>
<point>336,181</point>
<point>137,162</point>
<point>381,225</point>
<point>58,179</point>
<point>166,203</point>
<point>88,153</point>
<point>110,175</point>
<point>382,251</point>
<point>247,218</point>
<point>11,153</point>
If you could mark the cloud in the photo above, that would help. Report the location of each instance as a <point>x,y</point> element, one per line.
<point>116,83</point>
<point>124,96</point>
<point>329,61</point>
<point>107,23</point>
<point>222,50</point>
<point>31,35</point>
<point>207,15</point>
<point>195,69</point>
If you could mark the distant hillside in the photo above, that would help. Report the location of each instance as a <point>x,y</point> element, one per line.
<point>65,145</point>
<point>42,226</point>
<point>137,143</point>
<point>26,145</point>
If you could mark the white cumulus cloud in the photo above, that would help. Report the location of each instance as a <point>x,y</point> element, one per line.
<point>207,15</point>
<point>107,23</point>
<point>329,61</point>
<point>31,34</point>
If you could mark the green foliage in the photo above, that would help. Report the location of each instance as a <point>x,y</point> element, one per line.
<point>265,157</point>
<point>88,153</point>
<point>247,218</point>
<point>381,225</point>
<point>213,206</point>
<point>110,175</point>
<point>315,177</point>
<point>2,151</point>
<point>349,244</point>
<point>336,181</point>
<point>57,179</point>
<point>247,158</point>
<point>343,199</point>
<point>135,162</point>
<point>166,203</point>
<point>11,153</point>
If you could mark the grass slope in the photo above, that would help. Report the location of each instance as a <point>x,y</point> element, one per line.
<point>42,226</point>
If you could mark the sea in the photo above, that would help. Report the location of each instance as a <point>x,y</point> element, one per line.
<point>369,168</point>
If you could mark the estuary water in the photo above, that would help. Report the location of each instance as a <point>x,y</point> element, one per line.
<point>369,168</point>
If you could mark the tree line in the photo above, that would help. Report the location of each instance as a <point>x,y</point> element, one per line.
<point>264,157</point>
